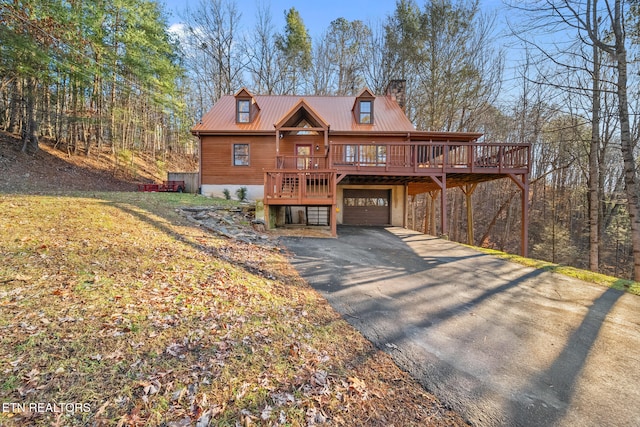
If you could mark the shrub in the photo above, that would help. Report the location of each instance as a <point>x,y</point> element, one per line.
<point>241,193</point>
<point>226,193</point>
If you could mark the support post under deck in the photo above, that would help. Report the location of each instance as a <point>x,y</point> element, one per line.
<point>522,181</point>
<point>333,219</point>
<point>468,190</point>
<point>442,183</point>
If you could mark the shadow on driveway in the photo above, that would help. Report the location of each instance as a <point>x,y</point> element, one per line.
<point>500,343</point>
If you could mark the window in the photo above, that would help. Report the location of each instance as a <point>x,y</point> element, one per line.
<point>365,112</point>
<point>373,155</point>
<point>244,115</point>
<point>241,154</point>
<point>366,155</point>
<point>350,153</point>
<point>366,201</point>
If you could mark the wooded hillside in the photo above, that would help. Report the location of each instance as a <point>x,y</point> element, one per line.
<point>92,74</point>
<point>559,74</point>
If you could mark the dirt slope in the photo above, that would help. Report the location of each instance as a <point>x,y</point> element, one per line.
<point>50,170</point>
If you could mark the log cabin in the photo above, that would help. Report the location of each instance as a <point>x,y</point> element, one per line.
<point>328,160</point>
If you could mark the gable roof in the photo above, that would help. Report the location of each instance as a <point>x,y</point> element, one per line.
<point>243,93</point>
<point>298,112</point>
<point>365,93</point>
<point>335,111</point>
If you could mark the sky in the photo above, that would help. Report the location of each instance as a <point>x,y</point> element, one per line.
<point>316,14</point>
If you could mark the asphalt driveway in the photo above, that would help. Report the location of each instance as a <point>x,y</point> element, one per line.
<point>502,344</point>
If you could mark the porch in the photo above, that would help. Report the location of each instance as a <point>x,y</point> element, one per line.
<point>421,165</point>
<point>312,179</point>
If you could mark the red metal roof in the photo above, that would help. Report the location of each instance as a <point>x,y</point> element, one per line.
<point>334,110</point>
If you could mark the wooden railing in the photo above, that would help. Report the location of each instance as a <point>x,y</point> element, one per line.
<point>311,180</point>
<point>303,187</point>
<point>416,158</point>
<point>302,162</point>
<point>426,157</point>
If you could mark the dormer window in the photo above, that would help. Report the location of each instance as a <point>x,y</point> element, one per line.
<point>246,106</point>
<point>363,107</point>
<point>244,111</point>
<point>366,113</point>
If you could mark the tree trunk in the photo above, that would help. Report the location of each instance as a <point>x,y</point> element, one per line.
<point>630,175</point>
<point>594,153</point>
<point>16,107</point>
<point>485,237</point>
<point>46,128</point>
<point>30,131</point>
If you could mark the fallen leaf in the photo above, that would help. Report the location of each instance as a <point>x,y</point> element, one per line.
<point>175,349</point>
<point>207,415</point>
<point>266,413</point>
<point>357,385</point>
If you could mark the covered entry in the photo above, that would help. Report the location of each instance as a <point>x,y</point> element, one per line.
<point>366,207</point>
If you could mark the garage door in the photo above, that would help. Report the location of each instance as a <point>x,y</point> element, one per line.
<point>366,207</point>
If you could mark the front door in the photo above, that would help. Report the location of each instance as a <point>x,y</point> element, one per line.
<point>303,153</point>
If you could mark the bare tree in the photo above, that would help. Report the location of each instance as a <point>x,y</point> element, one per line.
<point>585,17</point>
<point>322,74</point>
<point>376,59</point>
<point>445,53</point>
<point>263,61</point>
<point>212,50</point>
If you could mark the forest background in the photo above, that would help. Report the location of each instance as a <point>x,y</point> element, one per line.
<point>116,76</point>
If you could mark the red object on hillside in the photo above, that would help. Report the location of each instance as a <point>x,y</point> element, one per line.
<point>166,186</point>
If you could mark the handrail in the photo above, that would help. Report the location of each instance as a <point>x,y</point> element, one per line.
<point>416,157</point>
<point>301,162</point>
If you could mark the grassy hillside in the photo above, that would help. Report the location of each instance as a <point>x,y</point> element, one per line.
<point>120,312</point>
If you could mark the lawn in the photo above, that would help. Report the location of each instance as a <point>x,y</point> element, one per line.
<point>115,310</point>
<point>629,286</point>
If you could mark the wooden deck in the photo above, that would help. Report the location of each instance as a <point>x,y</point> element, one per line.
<point>428,158</point>
<point>300,187</point>
<point>422,165</point>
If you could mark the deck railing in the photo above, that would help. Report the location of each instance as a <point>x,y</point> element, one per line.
<point>312,179</point>
<point>426,157</point>
<point>301,187</point>
<point>416,158</point>
<point>302,162</point>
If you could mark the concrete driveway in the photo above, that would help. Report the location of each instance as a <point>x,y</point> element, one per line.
<point>502,344</point>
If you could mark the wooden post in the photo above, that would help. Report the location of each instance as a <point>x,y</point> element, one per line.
<point>468,190</point>
<point>412,202</point>
<point>333,219</point>
<point>442,183</point>
<point>267,217</point>
<point>522,181</point>
<point>427,213</point>
<point>432,213</point>
<point>333,216</point>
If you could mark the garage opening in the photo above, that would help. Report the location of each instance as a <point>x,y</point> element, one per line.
<point>366,207</point>
<point>307,215</point>
<point>317,215</point>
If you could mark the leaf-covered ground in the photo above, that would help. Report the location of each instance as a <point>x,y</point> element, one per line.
<point>116,311</point>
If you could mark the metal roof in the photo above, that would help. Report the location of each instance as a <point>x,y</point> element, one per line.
<point>337,111</point>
